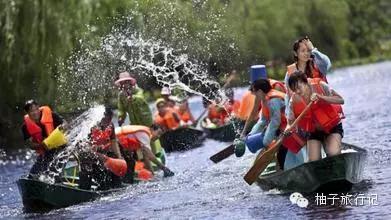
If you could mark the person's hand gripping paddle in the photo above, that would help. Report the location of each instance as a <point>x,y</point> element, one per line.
<point>267,156</point>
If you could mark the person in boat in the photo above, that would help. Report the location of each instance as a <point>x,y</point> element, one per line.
<point>272,121</point>
<point>246,106</point>
<point>309,60</point>
<point>231,106</point>
<point>39,123</point>
<point>104,164</point>
<point>168,98</point>
<point>184,113</point>
<point>102,136</point>
<point>314,64</point>
<point>323,121</point>
<point>217,115</point>
<point>131,102</point>
<point>165,116</point>
<point>259,72</point>
<point>137,137</point>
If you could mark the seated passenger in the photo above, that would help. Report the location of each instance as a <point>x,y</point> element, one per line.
<point>138,137</point>
<point>231,106</point>
<point>104,164</point>
<point>184,113</point>
<point>166,117</point>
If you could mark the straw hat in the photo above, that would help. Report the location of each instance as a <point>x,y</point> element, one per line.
<point>159,100</point>
<point>125,76</point>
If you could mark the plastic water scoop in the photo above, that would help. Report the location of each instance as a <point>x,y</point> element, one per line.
<point>56,139</point>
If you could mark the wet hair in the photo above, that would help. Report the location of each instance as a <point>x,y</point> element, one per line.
<point>310,64</point>
<point>295,78</point>
<point>28,104</point>
<point>261,84</point>
<point>108,112</point>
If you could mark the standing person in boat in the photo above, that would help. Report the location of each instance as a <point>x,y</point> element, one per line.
<point>39,123</point>
<point>259,72</point>
<point>131,102</point>
<point>309,60</point>
<point>94,164</point>
<point>271,123</point>
<point>165,116</point>
<point>137,137</point>
<point>323,121</point>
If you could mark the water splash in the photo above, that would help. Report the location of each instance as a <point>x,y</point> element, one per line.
<point>147,54</point>
<point>78,133</point>
<point>92,73</point>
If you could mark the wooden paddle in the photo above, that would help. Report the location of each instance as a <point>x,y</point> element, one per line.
<point>225,153</point>
<point>267,156</point>
<point>199,118</point>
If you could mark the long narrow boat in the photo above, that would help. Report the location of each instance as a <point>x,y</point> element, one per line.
<point>330,174</point>
<point>182,139</point>
<point>225,133</point>
<point>41,196</point>
<point>38,196</point>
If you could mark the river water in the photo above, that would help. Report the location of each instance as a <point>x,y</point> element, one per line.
<point>203,190</point>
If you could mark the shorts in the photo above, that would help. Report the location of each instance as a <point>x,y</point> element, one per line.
<point>321,135</point>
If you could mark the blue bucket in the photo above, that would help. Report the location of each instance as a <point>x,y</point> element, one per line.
<point>257,72</point>
<point>254,142</point>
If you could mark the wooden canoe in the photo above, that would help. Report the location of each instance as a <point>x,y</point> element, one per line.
<point>330,174</point>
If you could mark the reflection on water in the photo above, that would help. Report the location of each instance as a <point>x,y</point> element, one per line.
<point>202,189</point>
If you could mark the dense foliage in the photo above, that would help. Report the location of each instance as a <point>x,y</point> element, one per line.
<point>38,37</point>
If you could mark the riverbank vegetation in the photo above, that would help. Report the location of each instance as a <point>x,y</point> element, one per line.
<point>40,39</point>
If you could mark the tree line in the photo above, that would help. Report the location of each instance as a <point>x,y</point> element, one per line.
<point>39,39</point>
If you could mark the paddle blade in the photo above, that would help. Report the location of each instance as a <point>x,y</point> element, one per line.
<point>225,153</point>
<point>261,163</point>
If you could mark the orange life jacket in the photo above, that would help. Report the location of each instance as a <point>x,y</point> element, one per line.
<point>214,112</point>
<point>315,72</point>
<point>316,75</point>
<point>276,85</point>
<point>101,138</point>
<point>232,107</point>
<point>168,120</point>
<point>246,105</point>
<point>321,114</point>
<point>35,130</point>
<point>185,115</point>
<point>265,109</point>
<point>294,142</point>
<point>128,141</point>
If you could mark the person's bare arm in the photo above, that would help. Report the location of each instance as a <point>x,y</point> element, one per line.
<point>331,96</point>
<point>115,148</point>
<point>31,144</point>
